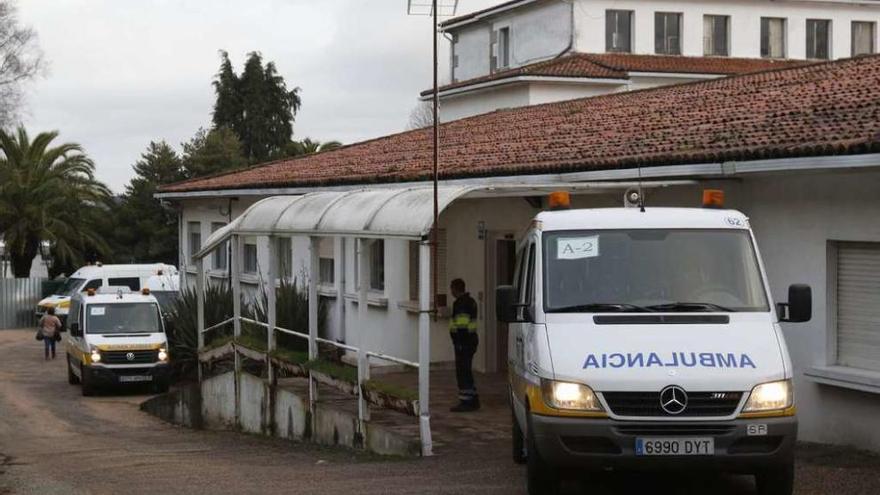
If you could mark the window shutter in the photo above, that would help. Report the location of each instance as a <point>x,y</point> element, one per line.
<point>659,33</point>
<point>858,305</point>
<point>765,37</point>
<point>721,23</point>
<point>610,31</point>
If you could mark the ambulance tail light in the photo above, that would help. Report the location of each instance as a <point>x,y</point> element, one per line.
<point>713,198</point>
<point>559,200</point>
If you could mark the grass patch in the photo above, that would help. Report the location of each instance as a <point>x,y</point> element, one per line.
<point>392,390</point>
<point>218,341</point>
<point>333,370</point>
<point>291,356</point>
<point>252,342</point>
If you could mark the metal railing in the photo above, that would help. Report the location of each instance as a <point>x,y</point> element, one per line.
<point>363,361</point>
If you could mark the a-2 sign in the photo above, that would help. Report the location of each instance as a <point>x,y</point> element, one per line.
<point>575,248</point>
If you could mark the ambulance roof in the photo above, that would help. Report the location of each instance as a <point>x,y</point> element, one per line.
<point>633,218</point>
<point>133,297</point>
<point>92,271</point>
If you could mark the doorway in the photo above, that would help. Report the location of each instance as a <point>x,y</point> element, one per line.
<point>500,267</point>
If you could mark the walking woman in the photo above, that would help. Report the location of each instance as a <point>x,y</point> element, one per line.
<point>50,330</point>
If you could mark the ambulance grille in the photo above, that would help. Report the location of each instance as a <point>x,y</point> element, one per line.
<point>647,404</point>
<point>138,357</point>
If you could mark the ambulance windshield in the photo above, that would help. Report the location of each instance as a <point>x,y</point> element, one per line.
<point>123,318</point>
<point>652,271</point>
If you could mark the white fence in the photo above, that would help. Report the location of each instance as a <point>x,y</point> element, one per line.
<point>18,300</point>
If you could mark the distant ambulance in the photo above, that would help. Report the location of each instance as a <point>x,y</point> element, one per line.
<point>116,337</point>
<point>647,340</point>
<point>135,277</point>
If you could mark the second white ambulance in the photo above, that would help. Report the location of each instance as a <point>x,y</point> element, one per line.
<point>648,339</point>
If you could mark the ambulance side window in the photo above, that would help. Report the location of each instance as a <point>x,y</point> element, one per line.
<point>530,279</point>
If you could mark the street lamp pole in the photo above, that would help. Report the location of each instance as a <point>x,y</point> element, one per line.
<point>436,104</point>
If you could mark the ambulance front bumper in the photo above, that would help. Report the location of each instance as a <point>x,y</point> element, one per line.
<point>598,444</point>
<point>106,375</point>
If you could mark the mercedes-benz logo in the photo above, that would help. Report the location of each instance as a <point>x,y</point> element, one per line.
<point>130,356</point>
<point>673,399</point>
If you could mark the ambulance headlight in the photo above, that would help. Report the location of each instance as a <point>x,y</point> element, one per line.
<point>163,355</point>
<point>568,395</point>
<point>770,396</point>
<point>96,356</point>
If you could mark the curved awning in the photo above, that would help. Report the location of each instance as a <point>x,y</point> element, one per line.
<point>406,213</point>
<point>378,213</point>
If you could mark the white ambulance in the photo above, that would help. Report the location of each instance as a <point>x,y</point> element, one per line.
<point>116,337</point>
<point>135,277</point>
<point>648,339</point>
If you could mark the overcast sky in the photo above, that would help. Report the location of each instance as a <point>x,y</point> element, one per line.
<point>125,72</point>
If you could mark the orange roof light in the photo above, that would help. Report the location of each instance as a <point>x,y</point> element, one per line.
<point>90,292</point>
<point>559,200</point>
<point>145,291</point>
<point>713,198</point>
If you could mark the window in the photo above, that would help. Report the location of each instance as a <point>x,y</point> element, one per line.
<point>863,38</point>
<point>93,284</point>
<point>326,262</point>
<point>195,237</point>
<point>716,39</point>
<point>857,304</point>
<point>377,265</point>
<point>504,48</point>
<point>667,33</point>
<point>618,31</point>
<point>414,275</point>
<point>283,255</point>
<point>250,256</point>
<point>818,39</point>
<point>772,37</point>
<point>132,283</point>
<point>221,254</point>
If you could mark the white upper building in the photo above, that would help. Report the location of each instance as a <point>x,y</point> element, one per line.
<point>526,52</point>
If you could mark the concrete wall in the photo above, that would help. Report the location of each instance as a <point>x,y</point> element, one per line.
<point>745,23</point>
<point>478,102</point>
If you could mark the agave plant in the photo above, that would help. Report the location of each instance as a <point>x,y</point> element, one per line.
<point>182,324</point>
<point>291,312</point>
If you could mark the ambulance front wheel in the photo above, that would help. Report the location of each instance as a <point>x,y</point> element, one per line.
<point>779,481</point>
<point>542,479</point>
<point>519,442</point>
<point>71,377</point>
<point>88,389</point>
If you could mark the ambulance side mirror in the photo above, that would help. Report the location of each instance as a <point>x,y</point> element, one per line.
<point>75,330</point>
<point>799,308</point>
<point>506,304</point>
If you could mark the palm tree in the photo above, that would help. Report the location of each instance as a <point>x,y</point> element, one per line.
<point>47,193</point>
<point>307,146</point>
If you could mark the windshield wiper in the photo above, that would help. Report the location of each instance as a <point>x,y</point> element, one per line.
<point>690,306</point>
<point>601,308</point>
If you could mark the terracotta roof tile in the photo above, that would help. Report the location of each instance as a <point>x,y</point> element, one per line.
<point>820,109</point>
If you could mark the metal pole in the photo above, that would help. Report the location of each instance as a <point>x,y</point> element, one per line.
<point>424,349</point>
<point>436,102</point>
<point>271,304</point>
<point>200,309</point>
<point>313,316</point>
<point>364,344</point>
<point>236,322</point>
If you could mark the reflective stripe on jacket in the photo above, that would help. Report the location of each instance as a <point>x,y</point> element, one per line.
<point>464,314</point>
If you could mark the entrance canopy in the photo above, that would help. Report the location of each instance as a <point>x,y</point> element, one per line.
<point>405,213</point>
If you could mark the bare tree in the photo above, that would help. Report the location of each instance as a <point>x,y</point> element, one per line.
<point>21,61</point>
<point>421,116</point>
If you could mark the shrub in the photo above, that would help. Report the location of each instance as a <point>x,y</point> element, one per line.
<point>292,313</point>
<point>182,323</point>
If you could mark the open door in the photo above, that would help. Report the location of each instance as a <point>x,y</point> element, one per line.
<point>501,264</point>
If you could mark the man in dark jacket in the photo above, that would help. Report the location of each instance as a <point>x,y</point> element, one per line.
<point>463,329</point>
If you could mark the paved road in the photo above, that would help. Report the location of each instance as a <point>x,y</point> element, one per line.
<point>54,441</point>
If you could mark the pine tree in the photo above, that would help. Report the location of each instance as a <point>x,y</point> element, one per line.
<point>256,106</point>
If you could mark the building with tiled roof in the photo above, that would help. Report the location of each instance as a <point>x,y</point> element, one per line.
<point>528,52</point>
<point>797,150</point>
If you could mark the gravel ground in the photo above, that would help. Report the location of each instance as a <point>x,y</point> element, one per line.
<point>54,441</point>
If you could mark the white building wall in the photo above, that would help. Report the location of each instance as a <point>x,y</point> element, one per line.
<point>537,32</point>
<point>456,107</point>
<point>549,92</point>
<point>745,23</point>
